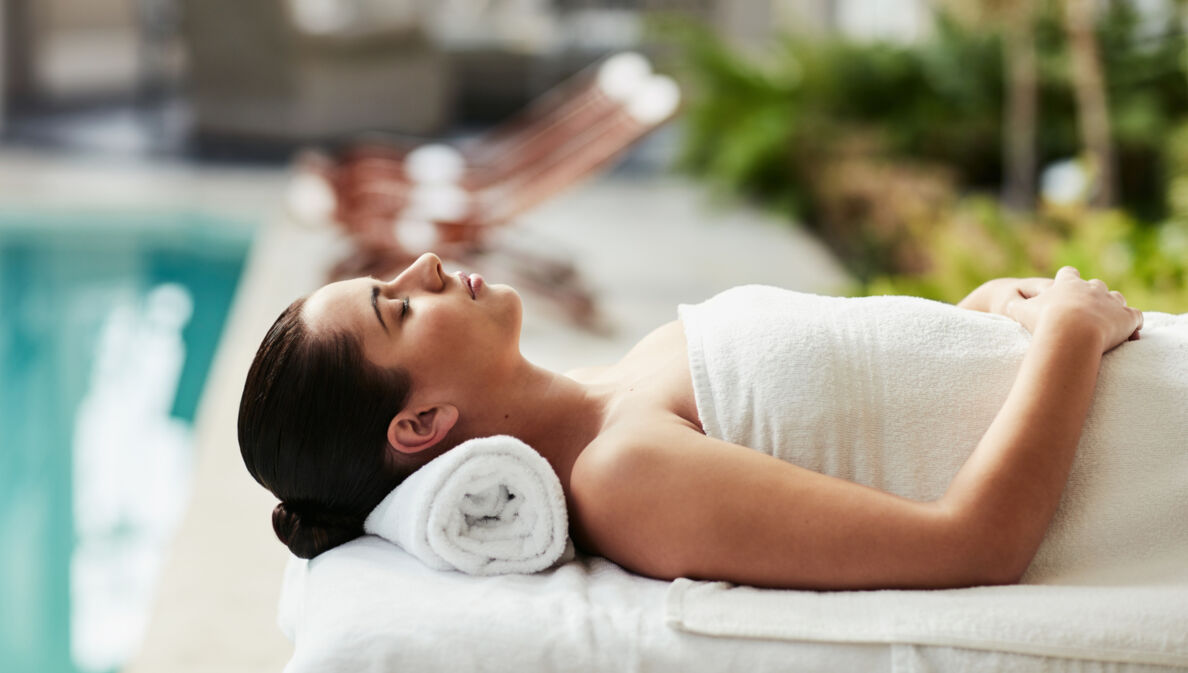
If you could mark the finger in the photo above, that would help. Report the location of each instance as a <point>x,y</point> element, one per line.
<point>1098,284</point>
<point>1067,272</point>
<point>1138,324</point>
<point>1034,286</point>
<point>1118,295</point>
<point>1016,309</point>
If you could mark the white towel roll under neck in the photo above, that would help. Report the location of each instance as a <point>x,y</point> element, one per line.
<point>895,393</point>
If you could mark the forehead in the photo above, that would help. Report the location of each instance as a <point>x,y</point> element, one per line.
<point>338,304</point>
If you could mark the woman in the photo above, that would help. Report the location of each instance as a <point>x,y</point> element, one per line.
<point>363,381</point>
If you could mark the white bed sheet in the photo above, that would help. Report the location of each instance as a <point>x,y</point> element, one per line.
<point>368,606</point>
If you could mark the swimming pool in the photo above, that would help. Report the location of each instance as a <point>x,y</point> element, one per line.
<point>108,323</point>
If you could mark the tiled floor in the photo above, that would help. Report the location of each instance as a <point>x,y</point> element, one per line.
<point>643,242</point>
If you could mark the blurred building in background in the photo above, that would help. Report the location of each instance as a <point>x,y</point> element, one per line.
<point>169,76</point>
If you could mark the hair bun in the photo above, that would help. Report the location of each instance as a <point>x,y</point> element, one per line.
<point>309,530</point>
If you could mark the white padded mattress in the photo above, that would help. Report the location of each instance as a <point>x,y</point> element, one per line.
<point>368,606</point>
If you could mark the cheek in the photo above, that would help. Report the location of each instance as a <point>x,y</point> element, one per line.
<point>450,337</point>
<point>438,332</point>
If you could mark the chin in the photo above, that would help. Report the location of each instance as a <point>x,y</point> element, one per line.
<point>515,305</point>
<point>504,287</point>
<point>505,292</point>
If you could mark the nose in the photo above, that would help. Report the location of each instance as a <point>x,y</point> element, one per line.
<point>424,273</point>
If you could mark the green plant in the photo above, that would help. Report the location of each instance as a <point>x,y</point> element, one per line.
<point>882,149</point>
<point>979,240</point>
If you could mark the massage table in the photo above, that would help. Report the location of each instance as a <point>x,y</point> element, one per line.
<point>368,606</point>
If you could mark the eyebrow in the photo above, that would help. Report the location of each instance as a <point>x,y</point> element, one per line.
<point>375,290</point>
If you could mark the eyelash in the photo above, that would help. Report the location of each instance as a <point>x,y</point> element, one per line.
<point>404,307</point>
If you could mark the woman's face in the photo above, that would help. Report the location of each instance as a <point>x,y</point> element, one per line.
<point>448,332</point>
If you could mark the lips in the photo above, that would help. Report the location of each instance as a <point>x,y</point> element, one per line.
<point>471,283</point>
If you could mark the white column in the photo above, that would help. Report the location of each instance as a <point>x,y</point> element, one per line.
<point>896,20</point>
<point>744,23</point>
<point>3,63</point>
<point>803,17</point>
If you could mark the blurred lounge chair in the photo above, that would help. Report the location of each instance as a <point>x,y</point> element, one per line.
<point>263,74</point>
<point>398,201</point>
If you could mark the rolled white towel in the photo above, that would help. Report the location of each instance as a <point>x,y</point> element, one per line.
<point>490,506</point>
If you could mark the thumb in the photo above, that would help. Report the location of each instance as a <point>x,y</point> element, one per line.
<point>1020,310</point>
<point>1010,308</point>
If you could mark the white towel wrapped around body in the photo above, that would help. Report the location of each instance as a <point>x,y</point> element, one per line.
<point>489,506</point>
<point>895,393</point>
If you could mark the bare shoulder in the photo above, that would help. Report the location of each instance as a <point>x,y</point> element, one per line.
<point>641,486</point>
<point>616,458</point>
<point>612,477</point>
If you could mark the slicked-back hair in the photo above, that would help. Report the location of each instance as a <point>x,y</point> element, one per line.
<point>313,424</point>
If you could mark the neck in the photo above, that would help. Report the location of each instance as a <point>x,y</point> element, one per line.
<point>554,414</point>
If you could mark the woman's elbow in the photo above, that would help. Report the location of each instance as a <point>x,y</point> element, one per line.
<point>984,569</point>
<point>985,556</point>
<point>999,571</point>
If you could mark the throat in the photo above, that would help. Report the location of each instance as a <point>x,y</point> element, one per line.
<point>558,417</point>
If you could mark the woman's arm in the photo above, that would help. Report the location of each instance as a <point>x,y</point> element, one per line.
<point>672,502</point>
<point>675,503</point>
<point>1010,486</point>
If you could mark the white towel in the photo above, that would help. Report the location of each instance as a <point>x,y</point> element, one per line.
<point>489,506</point>
<point>894,393</point>
<point>1129,624</point>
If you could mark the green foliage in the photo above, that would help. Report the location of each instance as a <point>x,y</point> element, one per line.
<point>816,128</point>
<point>756,125</point>
<point>762,127</point>
<point>980,241</point>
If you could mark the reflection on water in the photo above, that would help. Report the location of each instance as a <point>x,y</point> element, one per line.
<point>124,435</point>
<point>107,328</point>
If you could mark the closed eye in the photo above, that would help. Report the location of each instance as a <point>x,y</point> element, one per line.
<point>404,308</point>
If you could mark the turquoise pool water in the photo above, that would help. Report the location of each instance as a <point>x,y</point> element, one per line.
<point>108,323</point>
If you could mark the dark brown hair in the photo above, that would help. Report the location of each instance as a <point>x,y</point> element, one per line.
<point>313,424</point>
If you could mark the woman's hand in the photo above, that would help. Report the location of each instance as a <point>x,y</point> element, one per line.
<point>993,295</point>
<point>1075,306</point>
<point>1009,488</point>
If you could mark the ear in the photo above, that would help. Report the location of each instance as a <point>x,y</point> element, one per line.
<point>418,428</point>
